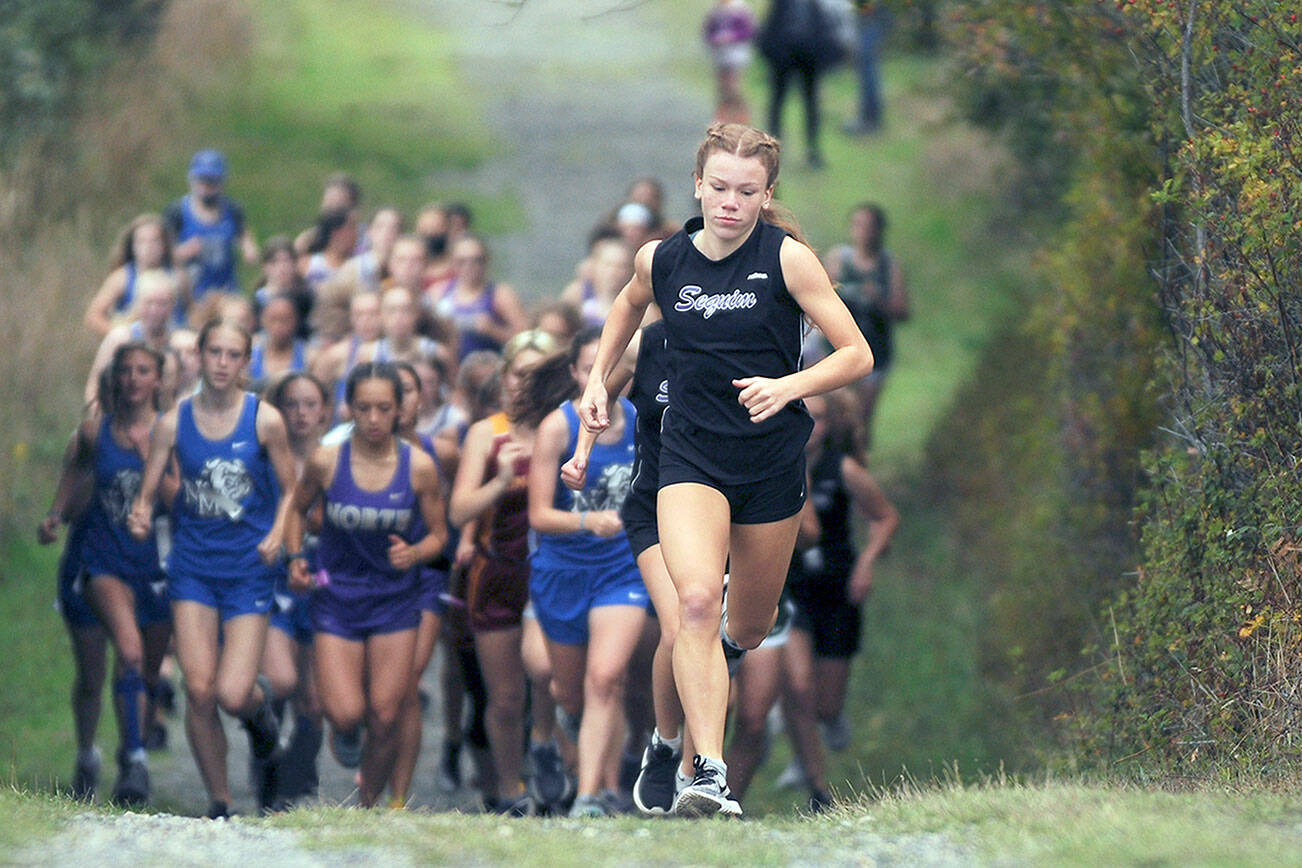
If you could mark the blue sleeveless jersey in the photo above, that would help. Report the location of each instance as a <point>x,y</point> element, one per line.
<point>129,291</point>
<point>107,547</point>
<point>214,267</point>
<point>610,472</point>
<point>354,549</point>
<point>228,497</point>
<point>258,359</point>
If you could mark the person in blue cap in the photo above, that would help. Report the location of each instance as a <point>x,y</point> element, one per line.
<point>207,224</point>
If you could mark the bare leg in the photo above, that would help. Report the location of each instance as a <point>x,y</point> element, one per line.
<point>499,660</point>
<point>694,523</point>
<point>280,663</point>
<point>668,708</point>
<point>197,628</point>
<point>340,669</point>
<point>410,731</point>
<point>832,676</point>
<point>389,659</point>
<point>758,684</point>
<point>538,668</point>
<point>639,697</point>
<point>613,634</point>
<point>115,603</point>
<point>90,663</point>
<point>798,705</point>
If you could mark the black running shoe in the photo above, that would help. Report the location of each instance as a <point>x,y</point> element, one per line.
<point>731,653</point>
<point>165,696</point>
<point>85,778</point>
<point>347,747</point>
<point>521,806</point>
<point>819,801</point>
<point>708,794</point>
<point>653,792</point>
<point>449,773</point>
<point>262,726</point>
<point>548,785</point>
<point>132,788</point>
<point>219,811</point>
<point>156,737</point>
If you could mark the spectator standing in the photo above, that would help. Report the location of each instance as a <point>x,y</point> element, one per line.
<point>872,24</point>
<point>798,38</point>
<point>207,224</point>
<point>728,30</point>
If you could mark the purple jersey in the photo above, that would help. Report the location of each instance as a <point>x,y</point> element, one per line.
<point>355,532</point>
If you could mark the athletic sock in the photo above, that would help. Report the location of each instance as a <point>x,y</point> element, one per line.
<point>569,723</point>
<point>675,744</point>
<point>88,756</point>
<point>138,756</point>
<point>128,688</point>
<point>727,640</point>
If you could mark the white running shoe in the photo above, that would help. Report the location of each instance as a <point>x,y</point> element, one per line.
<point>708,794</point>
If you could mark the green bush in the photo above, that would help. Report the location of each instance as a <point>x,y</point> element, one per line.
<point>1163,503</point>
<point>46,46</point>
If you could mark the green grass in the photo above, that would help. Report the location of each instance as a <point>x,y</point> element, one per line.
<point>27,817</point>
<point>1051,823</point>
<point>1060,823</point>
<point>999,821</point>
<point>349,84</point>
<point>37,744</point>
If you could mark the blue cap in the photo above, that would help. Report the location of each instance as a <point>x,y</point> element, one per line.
<point>209,165</point>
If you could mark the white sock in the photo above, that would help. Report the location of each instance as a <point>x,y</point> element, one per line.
<point>717,763</point>
<point>88,756</point>
<point>727,640</point>
<point>681,780</point>
<point>675,744</point>
<point>138,756</point>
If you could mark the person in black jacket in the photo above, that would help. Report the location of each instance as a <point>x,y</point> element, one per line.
<point>798,39</point>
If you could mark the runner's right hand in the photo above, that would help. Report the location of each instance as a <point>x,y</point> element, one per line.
<point>592,407</point>
<point>48,530</point>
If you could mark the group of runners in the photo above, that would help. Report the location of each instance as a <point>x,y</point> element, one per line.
<point>305,489</point>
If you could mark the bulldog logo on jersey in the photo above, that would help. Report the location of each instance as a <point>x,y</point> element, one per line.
<point>220,489</point>
<point>116,497</point>
<point>608,492</point>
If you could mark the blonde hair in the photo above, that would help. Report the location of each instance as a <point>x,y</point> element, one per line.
<point>529,339</point>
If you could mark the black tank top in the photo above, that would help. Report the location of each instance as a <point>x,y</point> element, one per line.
<point>725,320</point>
<point>827,563</point>
<point>650,396</point>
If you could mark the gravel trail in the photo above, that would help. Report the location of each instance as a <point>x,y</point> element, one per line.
<point>583,97</point>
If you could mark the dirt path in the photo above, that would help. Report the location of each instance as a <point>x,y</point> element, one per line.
<point>582,100</point>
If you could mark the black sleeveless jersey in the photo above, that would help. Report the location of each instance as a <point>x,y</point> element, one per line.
<point>827,563</point>
<point>650,392</point>
<point>726,320</point>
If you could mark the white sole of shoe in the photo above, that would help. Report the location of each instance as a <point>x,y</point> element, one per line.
<point>694,803</point>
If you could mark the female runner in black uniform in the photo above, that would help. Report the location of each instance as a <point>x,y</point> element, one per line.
<point>732,288</point>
